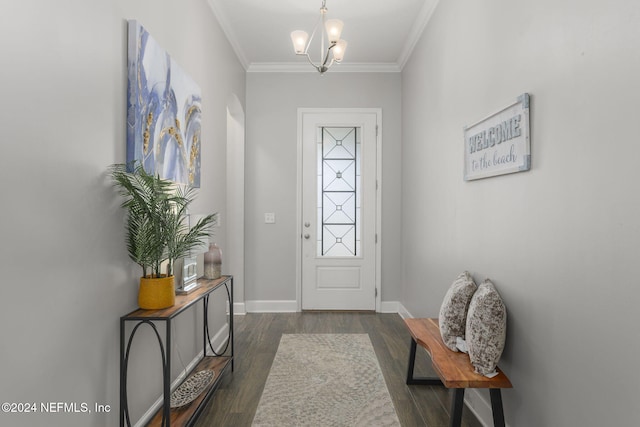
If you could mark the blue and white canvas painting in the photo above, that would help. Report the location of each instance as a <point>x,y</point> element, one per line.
<point>163,112</point>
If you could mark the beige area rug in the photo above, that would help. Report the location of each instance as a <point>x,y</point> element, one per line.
<point>325,380</point>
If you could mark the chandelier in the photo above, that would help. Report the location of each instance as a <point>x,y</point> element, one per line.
<point>330,29</point>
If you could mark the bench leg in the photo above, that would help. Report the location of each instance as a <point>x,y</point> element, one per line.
<point>412,361</point>
<point>457,402</point>
<point>496,407</point>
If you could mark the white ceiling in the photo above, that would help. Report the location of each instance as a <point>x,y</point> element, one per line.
<point>380,33</point>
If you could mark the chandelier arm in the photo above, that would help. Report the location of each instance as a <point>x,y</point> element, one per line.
<point>309,59</point>
<point>323,31</point>
<point>331,63</point>
<point>326,58</point>
<point>306,49</point>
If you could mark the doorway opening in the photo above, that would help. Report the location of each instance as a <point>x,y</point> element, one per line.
<point>235,199</point>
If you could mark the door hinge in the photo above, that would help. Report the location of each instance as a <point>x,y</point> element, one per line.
<point>376,292</point>
<point>376,237</point>
<point>376,131</point>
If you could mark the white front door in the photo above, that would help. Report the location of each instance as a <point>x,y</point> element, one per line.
<point>339,205</point>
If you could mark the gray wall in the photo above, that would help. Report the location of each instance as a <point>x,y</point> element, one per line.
<point>560,241</point>
<point>66,275</point>
<point>271,171</point>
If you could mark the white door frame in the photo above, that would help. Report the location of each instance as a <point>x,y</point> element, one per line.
<point>378,272</point>
<point>234,263</point>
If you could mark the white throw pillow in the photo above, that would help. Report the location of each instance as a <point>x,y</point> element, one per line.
<point>486,329</point>
<point>453,311</point>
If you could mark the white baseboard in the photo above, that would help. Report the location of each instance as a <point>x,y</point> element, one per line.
<point>218,342</point>
<point>403,312</point>
<point>480,407</point>
<point>271,306</point>
<point>239,308</point>
<point>389,307</point>
<point>292,307</point>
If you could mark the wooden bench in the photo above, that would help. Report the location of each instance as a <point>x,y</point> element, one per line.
<point>454,370</point>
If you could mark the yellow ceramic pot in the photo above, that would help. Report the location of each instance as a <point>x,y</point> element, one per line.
<point>156,293</point>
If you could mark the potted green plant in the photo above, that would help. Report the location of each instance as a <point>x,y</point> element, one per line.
<point>157,229</point>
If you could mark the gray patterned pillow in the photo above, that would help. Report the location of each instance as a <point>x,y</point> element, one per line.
<point>486,328</point>
<point>453,311</point>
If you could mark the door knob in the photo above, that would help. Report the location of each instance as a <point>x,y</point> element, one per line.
<point>306,236</point>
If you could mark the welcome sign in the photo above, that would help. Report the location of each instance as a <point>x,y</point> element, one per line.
<point>498,144</point>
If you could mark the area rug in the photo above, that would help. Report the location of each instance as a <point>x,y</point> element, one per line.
<point>325,380</point>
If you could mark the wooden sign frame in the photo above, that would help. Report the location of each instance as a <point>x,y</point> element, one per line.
<point>499,144</point>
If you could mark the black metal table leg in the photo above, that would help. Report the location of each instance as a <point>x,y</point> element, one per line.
<point>123,386</point>
<point>167,375</point>
<point>207,336</point>
<point>457,402</point>
<point>412,361</point>
<point>164,350</point>
<point>496,407</point>
<point>411,380</point>
<point>231,322</point>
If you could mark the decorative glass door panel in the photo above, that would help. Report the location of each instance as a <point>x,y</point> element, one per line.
<point>338,223</point>
<point>338,204</point>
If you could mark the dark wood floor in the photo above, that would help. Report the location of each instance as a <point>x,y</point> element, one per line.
<point>256,340</point>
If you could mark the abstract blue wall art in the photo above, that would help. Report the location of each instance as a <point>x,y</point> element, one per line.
<point>163,112</point>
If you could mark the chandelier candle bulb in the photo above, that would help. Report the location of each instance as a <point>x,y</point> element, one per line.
<point>299,39</point>
<point>338,50</point>
<point>334,29</point>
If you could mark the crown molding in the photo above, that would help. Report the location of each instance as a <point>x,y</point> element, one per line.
<point>423,18</point>
<point>304,67</point>
<point>223,20</point>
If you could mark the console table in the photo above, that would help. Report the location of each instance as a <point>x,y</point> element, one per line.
<point>185,415</point>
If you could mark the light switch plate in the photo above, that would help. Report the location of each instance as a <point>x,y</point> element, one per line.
<point>269,218</point>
